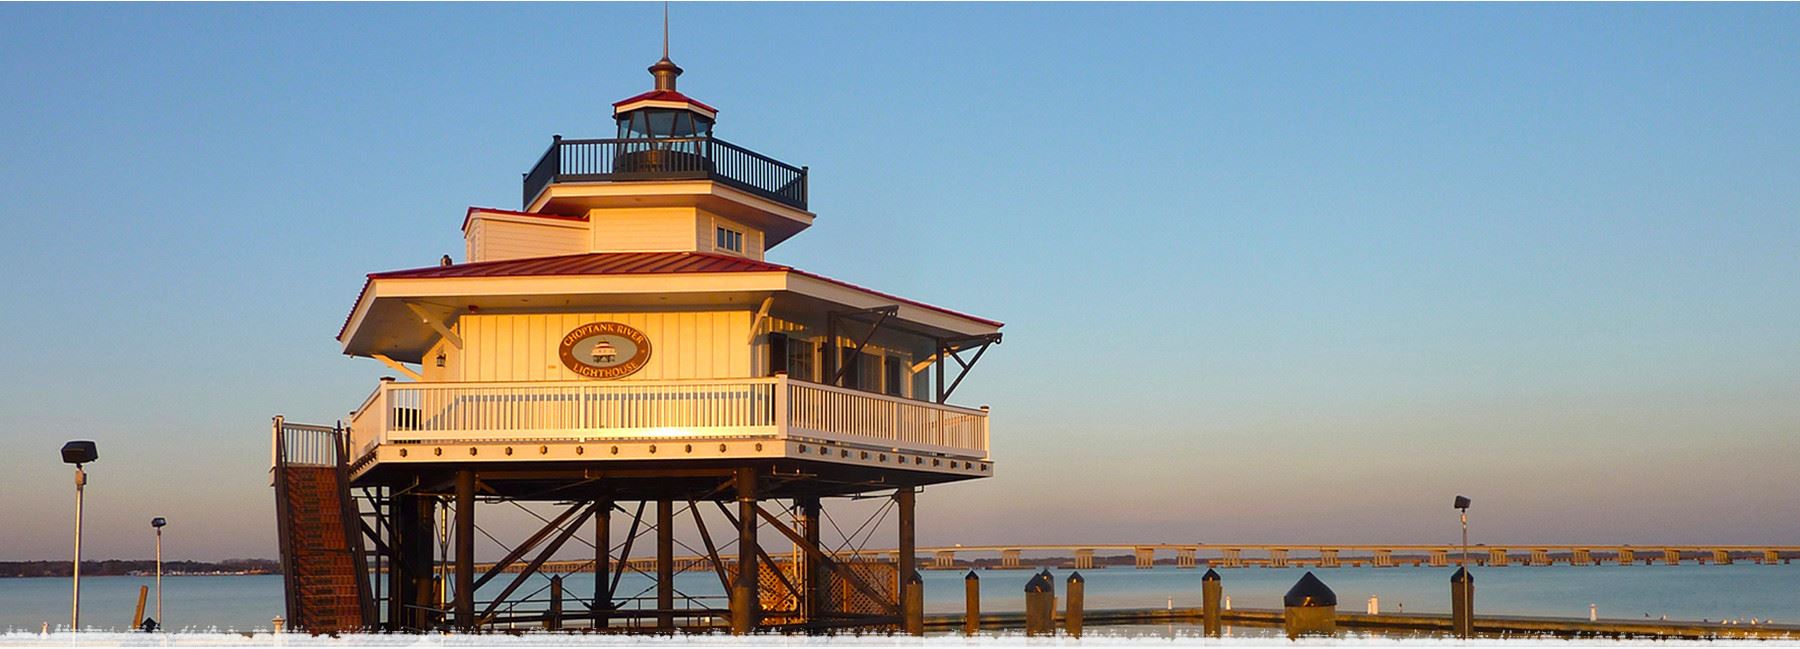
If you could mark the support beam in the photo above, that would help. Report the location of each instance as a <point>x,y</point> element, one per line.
<point>1232,557</point>
<point>836,370</point>
<point>1185,558</point>
<point>912,615</point>
<point>465,550</point>
<point>847,575</point>
<point>712,551</point>
<point>437,324</point>
<point>1146,558</point>
<point>744,593</point>
<point>1084,559</point>
<point>398,367</point>
<point>665,565</point>
<point>952,348</point>
<point>812,574</point>
<point>603,595</point>
<point>1626,557</point>
<point>762,314</point>
<point>1328,558</point>
<point>536,563</point>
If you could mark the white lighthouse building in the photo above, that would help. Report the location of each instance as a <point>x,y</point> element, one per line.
<point>624,338</point>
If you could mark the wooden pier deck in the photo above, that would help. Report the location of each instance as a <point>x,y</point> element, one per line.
<point>1424,624</point>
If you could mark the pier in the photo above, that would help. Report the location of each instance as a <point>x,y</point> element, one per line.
<point>1200,555</point>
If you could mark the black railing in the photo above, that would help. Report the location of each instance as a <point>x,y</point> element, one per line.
<point>667,159</point>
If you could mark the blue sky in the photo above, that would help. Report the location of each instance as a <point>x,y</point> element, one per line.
<point>1271,273</point>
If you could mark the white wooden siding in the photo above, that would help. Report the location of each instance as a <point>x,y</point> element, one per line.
<point>494,239</point>
<point>643,229</point>
<point>525,347</point>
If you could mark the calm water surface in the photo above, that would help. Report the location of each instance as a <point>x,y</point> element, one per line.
<point>1740,591</point>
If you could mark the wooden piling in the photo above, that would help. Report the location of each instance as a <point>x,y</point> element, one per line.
<point>1309,608</point>
<point>1040,605</point>
<point>1077,591</point>
<point>971,603</point>
<point>914,608</point>
<point>1462,603</point>
<point>1212,592</point>
<point>137,619</point>
<point>553,619</point>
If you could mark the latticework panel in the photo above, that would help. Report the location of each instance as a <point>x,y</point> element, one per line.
<point>877,575</point>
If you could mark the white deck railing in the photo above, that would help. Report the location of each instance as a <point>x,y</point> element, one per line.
<point>776,407</point>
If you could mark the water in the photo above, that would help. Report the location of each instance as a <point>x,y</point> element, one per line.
<point>1739,591</point>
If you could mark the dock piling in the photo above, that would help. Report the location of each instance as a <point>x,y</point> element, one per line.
<point>1212,591</point>
<point>553,619</point>
<point>1077,593</point>
<point>137,619</point>
<point>1040,605</point>
<point>1309,608</point>
<point>914,608</point>
<point>1462,603</point>
<point>971,603</point>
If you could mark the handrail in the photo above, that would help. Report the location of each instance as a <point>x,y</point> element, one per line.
<point>777,407</point>
<point>614,159</point>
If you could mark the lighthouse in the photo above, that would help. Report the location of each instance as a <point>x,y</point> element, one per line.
<point>622,349</point>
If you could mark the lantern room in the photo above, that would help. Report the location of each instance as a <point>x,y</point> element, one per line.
<point>663,113</point>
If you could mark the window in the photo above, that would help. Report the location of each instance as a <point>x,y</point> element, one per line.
<point>896,368</point>
<point>729,239</point>
<point>800,360</point>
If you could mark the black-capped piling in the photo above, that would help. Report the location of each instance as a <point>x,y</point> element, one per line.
<point>1077,592</point>
<point>1462,603</point>
<point>1212,591</point>
<point>1309,608</point>
<point>971,603</point>
<point>1040,605</point>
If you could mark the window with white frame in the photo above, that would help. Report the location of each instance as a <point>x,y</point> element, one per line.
<point>729,239</point>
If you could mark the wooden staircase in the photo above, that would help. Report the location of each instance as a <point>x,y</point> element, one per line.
<point>322,561</point>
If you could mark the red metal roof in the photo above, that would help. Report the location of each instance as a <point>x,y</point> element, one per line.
<point>664,95</point>
<point>622,263</point>
<point>592,263</point>
<point>490,210</point>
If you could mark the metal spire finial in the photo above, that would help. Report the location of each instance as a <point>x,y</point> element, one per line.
<point>665,70</point>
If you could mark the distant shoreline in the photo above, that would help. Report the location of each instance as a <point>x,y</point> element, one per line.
<point>138,567</point>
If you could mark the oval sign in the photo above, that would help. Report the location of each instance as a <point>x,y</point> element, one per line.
<point>605,350</point>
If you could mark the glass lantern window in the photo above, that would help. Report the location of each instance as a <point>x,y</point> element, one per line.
<point>663,123</point>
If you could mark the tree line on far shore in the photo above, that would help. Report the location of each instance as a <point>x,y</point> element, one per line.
<point>119,567</point>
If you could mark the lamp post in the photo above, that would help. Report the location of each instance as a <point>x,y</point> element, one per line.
<point>158,523</point>
<point>78,452</point>
<point>1467,625</point>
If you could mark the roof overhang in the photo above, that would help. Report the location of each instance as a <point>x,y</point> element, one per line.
<point>778,222</point>
<point>390,315</point>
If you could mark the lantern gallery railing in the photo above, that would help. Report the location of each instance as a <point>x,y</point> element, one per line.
<point>667,159</point>
<point>776,407</point>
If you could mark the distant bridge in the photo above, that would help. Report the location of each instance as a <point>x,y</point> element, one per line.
<point>1215,555</point>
